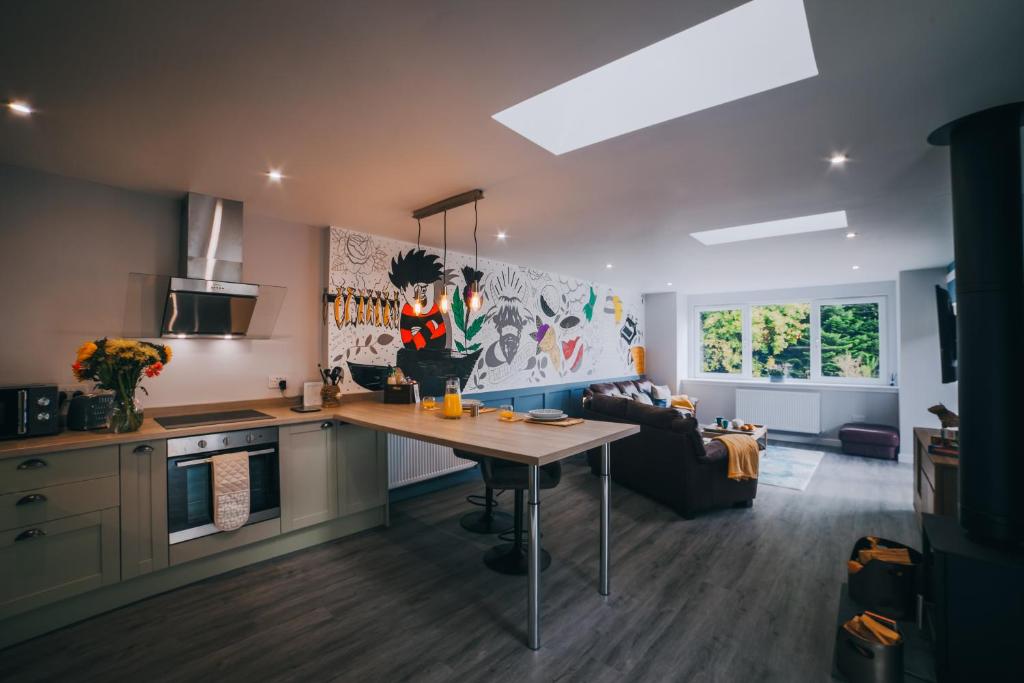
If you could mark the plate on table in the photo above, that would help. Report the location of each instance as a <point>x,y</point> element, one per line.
<point>547,414</point>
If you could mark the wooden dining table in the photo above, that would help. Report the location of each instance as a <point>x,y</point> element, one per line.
<point>523,442</point>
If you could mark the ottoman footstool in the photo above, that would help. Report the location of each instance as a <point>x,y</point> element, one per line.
<point>871,440</point>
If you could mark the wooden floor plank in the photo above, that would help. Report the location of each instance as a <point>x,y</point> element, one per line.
<point>735,595</point>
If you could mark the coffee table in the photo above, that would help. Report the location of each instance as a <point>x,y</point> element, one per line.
<point>760,433</point>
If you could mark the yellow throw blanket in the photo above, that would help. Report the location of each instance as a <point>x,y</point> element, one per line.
<point>744,455</point>
<point>682,401</point>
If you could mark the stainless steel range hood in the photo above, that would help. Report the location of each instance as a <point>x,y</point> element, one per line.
<point>208,299</point>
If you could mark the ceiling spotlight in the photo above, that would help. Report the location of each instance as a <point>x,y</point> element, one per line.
<point>668,284</point>
<point>838,159</point>
<point>856,267</point>
<point>502,235</point>
<point>20,107</point>
<point>607,265</point>
<point>275,175</point>
<point>850,235</point>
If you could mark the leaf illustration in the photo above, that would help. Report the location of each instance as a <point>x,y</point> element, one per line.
<point>369,338</point>
<point>385,339</point>
<point>475,327</point>
<point>474,347</point>
<point>337,358</point>
<point>588,308</point>
<point>458,311</point>
<point>459,346</point>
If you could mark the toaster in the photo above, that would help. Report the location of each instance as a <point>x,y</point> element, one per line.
<point>90,411</point>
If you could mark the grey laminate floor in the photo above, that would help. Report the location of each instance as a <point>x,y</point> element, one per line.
<point>737,595</point>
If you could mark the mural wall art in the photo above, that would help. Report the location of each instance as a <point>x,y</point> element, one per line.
<point>533,328</point>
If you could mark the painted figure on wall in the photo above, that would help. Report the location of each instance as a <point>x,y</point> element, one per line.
<point>422,324</point>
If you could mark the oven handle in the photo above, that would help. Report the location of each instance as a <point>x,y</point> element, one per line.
<point>200,461</point>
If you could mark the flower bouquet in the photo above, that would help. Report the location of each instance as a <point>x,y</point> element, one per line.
<point>119,365</point>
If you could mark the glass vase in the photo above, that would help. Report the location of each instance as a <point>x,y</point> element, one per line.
<point>126,415</point>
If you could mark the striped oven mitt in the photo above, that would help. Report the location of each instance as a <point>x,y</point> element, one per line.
<point>230,490</point>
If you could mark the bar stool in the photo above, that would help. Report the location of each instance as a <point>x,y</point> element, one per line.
<point>489,520</point>
<point>510,558</point>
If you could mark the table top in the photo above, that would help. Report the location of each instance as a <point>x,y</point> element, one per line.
<point>715,430</point>
<point>486,434</point>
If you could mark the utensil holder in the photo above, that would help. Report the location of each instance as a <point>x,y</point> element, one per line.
<point>330,395</point>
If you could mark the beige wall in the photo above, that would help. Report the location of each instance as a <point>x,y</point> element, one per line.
<point>66,248</point>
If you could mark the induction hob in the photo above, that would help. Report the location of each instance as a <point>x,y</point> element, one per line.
<point>197,419</point>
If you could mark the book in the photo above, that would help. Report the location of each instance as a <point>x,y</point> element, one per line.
<point>944,450</point>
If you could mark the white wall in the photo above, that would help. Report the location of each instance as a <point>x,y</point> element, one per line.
<point>661,332</point>
<point>921,368</point>
<point>66,248</point>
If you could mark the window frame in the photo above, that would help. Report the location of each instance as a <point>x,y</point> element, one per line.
<point>747,372</point>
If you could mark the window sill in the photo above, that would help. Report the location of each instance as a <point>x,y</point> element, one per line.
<point>794,384</point>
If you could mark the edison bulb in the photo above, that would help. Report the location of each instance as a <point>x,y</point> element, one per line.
<point>416,307</point>
<point>475,301</point>
<point>442,303</point>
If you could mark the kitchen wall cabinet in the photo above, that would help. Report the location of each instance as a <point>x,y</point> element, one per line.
<point>143,507</point>
<point>362,456</point>
<point>42,563</point>
<point>309,480</point>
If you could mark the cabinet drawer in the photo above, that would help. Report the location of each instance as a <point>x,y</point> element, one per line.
<point>36,506</point>
<point>43,563</point>
<point>36,471</point>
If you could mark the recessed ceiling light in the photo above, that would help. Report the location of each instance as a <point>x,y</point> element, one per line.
<point>607,265</point>
<point>668,284</point>
<point>785,226</point>
<point>838,159</point>
<point>20,107</point>
<point>850,235</point>
<point>758,46</point>
<point>856,268</point>
<point>275,175</point>
<point>502,235</point>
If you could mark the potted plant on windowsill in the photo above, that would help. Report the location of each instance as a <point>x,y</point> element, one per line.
<point>776,374</point>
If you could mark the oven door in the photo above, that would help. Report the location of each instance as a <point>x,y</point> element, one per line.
<point>190,492</point>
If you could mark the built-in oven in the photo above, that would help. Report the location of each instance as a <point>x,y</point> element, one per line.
<point>190,480</point>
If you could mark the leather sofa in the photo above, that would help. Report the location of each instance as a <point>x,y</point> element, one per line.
<point>667,461</point>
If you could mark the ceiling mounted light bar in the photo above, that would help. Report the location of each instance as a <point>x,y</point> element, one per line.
<point>784,226</point>
<point>448,204</point>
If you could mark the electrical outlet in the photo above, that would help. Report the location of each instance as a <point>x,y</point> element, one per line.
<point>275,381</point>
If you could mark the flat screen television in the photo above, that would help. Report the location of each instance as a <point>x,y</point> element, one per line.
<point>947,334</point>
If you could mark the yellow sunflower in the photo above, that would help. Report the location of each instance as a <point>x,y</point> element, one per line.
<point>85,351</point>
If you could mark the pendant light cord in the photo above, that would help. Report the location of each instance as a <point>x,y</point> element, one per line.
<point>476,245</point>
<point>444,267</point>
<point>419,232</point>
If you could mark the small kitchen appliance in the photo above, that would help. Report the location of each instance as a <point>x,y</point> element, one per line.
<point>90,411</point>
<point>29,410</point>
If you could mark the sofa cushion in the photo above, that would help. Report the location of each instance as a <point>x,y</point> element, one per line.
<point>641,413</point>
<point>614,406</point>
<point>643,398</point>
<point>661,391</point>
<point>605,389</point>
<point>645,386</point>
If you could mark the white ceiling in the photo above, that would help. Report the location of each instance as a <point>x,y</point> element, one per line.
<point>374,109</point>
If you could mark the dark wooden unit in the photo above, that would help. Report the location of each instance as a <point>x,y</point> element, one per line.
<point>974,597</point>
<point>935,477</point>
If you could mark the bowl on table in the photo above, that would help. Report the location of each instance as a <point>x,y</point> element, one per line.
<point>546,414</point>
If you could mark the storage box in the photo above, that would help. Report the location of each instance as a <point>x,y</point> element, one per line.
<point>888,588</point>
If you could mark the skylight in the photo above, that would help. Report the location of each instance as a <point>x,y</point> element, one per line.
<point>784,226</point>
<point>758,46</point>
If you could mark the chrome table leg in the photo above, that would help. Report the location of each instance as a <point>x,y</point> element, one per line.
<point>604,581</point>
<point>533,559</point>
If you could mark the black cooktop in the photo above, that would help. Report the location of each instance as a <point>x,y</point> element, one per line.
<point>196,419</point>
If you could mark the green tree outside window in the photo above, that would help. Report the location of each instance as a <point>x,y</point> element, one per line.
<point>781,338</point>
<point>849,340</point>
<point>722,341</point>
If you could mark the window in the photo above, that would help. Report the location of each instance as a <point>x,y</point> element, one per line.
<point>722,341</point>
<point>850,340</point>
<point>836,340</point>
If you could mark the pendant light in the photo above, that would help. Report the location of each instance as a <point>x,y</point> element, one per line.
<point>417,292</point>
<point>442,303</point>
<point>475,299</point>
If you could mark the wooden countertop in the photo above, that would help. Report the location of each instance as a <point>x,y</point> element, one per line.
<point>531,444</point>
<point>518,441</point>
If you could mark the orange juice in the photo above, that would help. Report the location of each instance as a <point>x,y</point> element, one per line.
<point>507,415</point>
<point>429,403</point>
<point>452,405</point>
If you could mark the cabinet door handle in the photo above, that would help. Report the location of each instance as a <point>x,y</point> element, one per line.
<point>325,425</point>
<point>144,449</point>
<point>32,464</point>
<point>32,498</point>
<point>31,533</point>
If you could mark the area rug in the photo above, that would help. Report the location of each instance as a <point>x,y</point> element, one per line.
<point>788,468</point>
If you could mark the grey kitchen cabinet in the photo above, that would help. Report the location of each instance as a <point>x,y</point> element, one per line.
<point>143,507</point>
<point>45,562</point>
<point>362,468</point>
<point>309,480</point>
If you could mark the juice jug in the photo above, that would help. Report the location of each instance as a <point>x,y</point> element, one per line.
<point>452,399</point>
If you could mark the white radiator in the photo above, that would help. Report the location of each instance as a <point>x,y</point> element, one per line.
<point>410,461</point>
<point>788,411</point>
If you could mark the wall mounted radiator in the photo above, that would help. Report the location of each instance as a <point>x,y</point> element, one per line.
<point>788,411</point>
<point>410,461</point>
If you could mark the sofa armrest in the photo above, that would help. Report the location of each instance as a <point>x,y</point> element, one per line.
<point>714,452</point>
